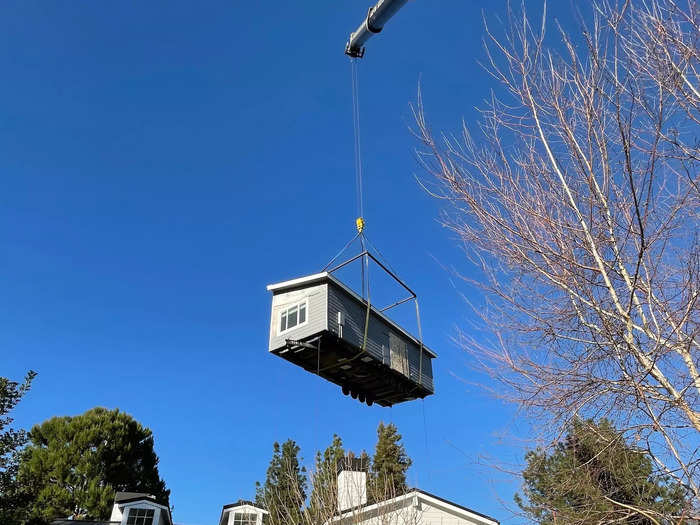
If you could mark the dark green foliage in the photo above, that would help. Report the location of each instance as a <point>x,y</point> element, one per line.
<point>13,499</point>
<point>595,477</point>
<point>284,491</point>
<point>74,465</point>
<point>324,494</point>
<point>389,465</point>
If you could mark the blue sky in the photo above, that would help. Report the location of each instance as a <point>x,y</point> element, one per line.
<point>162,162</point>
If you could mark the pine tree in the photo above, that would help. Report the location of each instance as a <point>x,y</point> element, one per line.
<point>324,493</point>
<point>389,465</point>
<point>74,465</point>
<point>594,477</point>
<point>12,497</point>
<point>284,491</point>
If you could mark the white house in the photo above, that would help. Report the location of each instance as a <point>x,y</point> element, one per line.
<point>131,508</point>
<point>417,507</point>
<point>242,513</point>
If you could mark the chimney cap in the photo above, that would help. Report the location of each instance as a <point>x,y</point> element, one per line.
<point>351,464</point>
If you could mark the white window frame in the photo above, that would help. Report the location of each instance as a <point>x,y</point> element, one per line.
<point>142,519</point>
<point>285,310</point>
<point>249,514</point>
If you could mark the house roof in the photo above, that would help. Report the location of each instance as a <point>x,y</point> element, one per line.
<point>328,277</point>
<point>430,498</point>
<point>244,503</point>
<point>120,497</point>
<point>127,498</point>
<point>467,509</point>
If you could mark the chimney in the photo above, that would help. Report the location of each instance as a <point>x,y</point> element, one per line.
<point>352,483</point>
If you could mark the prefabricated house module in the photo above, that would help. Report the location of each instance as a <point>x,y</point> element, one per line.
<point>320,324</point>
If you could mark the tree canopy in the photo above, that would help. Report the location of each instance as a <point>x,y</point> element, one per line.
<point>594,476</point>
<point>324,481</point>
<point>74,465</point>
<point>12,498</point>
<point>577,198</point>
<point>389,464</point>
<point>284,492</point>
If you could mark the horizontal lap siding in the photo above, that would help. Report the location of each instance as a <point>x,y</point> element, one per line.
<point>316,314</point>
<point>408,514</point>
<point>433,515</point>
<point>422,372</point>
<point>377,336</point>
<point>354,328</point>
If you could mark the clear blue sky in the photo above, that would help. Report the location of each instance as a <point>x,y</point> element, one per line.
<point>163,161</point>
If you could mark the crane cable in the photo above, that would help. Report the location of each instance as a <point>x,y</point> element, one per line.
<point>358,150</point>
<point>360,221</point>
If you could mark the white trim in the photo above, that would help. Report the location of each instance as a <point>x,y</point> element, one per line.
<point>285,310</point>
<point>246,509</point>
<point>300,280</point>
<point>144,503</point>
<point>435,502</point>
<point>442,503</point>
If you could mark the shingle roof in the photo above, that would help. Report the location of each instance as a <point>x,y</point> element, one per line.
<point>130,496</point>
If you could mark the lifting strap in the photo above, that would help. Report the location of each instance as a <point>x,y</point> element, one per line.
<point>360,226</point>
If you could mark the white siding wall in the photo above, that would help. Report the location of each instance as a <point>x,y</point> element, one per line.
<point>228,516</point>
<point>416,511</point>
<point>316,314</point>
<point>433,515</point>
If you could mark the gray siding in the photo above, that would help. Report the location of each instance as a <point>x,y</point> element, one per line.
<point>354,328</point>
<point>423,370</point>
<point>378,335</point>
<point>316,314</point>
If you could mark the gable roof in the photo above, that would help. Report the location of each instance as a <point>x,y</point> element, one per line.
<point>429,498</point>
<point>244,503</point>
<point>130,499</point>
<point>456,505</point>
<point>120,497</point>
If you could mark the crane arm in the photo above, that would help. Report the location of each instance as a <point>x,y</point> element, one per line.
<point>377,16</point>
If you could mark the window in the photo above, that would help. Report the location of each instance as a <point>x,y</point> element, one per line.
<point>140,517</point>
<point>292,317</point>
<point>240,518</point>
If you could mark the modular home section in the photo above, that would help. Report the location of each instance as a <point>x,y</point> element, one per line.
<point>319,323</point>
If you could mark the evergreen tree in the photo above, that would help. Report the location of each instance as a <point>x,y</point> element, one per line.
<point>594,477</point>
<point>324,493</point>
<point>74,465</point>
<point>12,496</point>
<point>284,492</point>
<point>389,465</point>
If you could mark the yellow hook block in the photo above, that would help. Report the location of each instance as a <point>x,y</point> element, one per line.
<point>360,223</point>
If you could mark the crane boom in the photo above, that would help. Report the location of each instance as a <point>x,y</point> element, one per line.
<point>377,16</point>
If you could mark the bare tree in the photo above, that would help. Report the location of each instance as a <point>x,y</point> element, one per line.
<point>323,510</point>
<point>578,203</point>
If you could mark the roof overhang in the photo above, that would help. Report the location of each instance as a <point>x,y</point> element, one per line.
<point>405,499</point>
<point>144,502</point>
<point>232,506</point>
